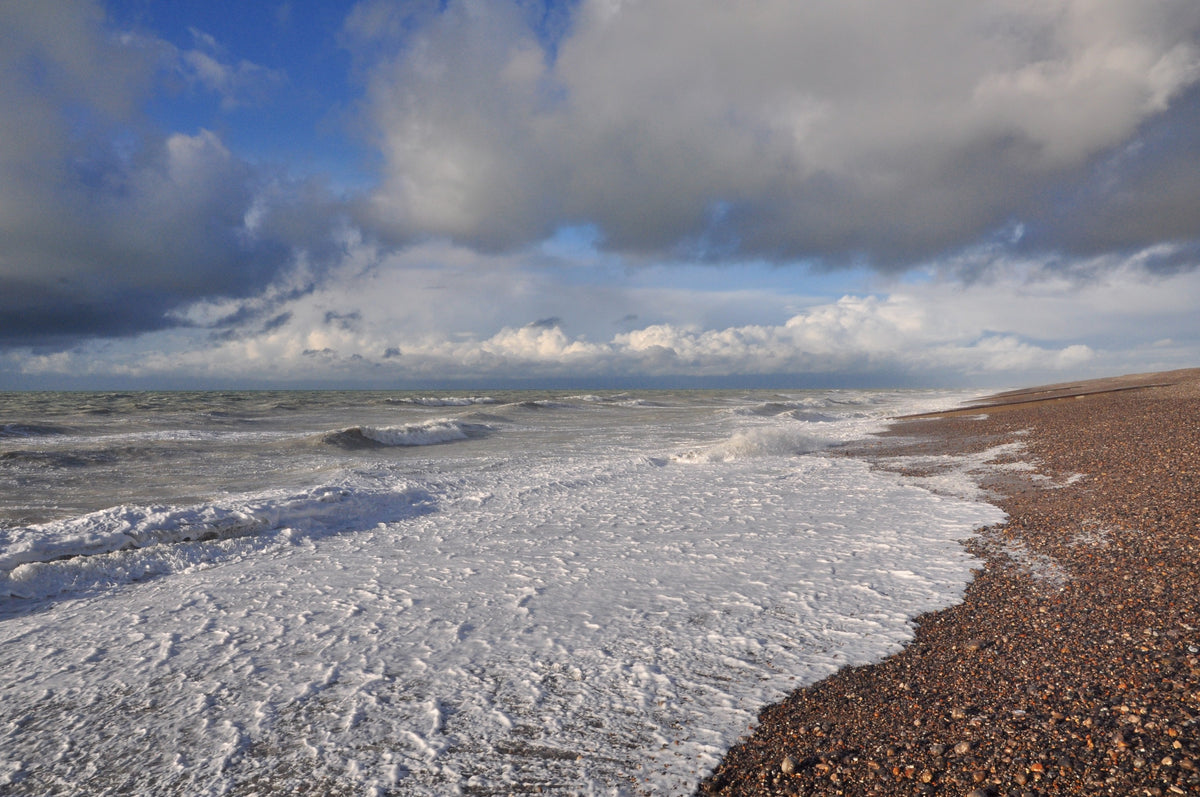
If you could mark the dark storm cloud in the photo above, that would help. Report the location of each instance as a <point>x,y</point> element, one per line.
<point>277,322</point>
<point>105,224</point>
<point>1145,193</point>
<point>346,321</point>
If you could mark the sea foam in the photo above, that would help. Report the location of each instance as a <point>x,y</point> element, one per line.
<point>592,601</point>
<point>48,559</point>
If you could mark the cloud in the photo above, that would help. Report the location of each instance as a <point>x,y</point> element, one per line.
<point>373,322</point>
<point>107,225</point>
<point>238,83</point>
<point>1015,183</point>
<point>1143,193</point>
<point>891,131</point>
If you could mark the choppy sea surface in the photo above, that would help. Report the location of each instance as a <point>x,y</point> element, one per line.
<point>425,594</point>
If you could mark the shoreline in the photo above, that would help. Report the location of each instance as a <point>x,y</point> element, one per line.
<point>1072,665</point>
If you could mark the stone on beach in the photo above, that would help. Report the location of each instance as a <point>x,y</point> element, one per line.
<point>1073,664</point>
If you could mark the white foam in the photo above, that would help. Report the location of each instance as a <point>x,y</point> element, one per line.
<point>959,474</point>
<point>559,605</point>
<point>760,442</point>
<point>432,432</point>
<point>446,401</point>
<point>33,558</point>
<point>1044,569</point>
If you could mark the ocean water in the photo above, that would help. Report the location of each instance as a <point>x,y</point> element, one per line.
<point>426,594</point>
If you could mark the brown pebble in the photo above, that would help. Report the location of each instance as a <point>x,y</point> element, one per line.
<point>788,766</point>
<point>1095,670</point>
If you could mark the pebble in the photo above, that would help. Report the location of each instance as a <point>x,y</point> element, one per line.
<point>1097,690</point>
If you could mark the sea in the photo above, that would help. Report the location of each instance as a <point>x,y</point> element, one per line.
<point>439,593</point>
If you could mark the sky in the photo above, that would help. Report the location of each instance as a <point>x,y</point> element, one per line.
<point>604,193</point>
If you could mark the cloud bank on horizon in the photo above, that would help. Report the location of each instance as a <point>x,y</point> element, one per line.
<point>463,191</point>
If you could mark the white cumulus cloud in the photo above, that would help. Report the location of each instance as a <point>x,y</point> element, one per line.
<point>776,128</point>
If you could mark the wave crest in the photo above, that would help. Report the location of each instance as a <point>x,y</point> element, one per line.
<point>444,401</point>
<point>105,547</point>
<point>427,433</point>
<point>753,443</point>
<point>20,430</point>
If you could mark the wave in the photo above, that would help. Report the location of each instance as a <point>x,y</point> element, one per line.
<point>428,433</point>
<point>763,442</point>
<point>542,404</point>
<point>811,416</point>
<point>56,459</point>
<point>446,401</point>
<point>619,400</point>
<point>768,409</point>
<point>23,430</point>
<point>113,545</point>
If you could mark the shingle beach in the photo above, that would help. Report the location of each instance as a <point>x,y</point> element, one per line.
<point>1072,666</point>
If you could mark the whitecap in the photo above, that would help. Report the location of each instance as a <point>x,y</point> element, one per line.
<point>427,433</point>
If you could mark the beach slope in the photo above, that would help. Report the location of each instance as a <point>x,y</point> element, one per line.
<point>1073,664</point>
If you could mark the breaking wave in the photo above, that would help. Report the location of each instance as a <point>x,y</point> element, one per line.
<point>542,404</point>
<point>428,433</point>
<point>21,430</point>
<point>107,547</point>
<point>764,442</point>
<point>444,401</point>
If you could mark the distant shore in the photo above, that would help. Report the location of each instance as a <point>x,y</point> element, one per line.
<point>1073,664</point>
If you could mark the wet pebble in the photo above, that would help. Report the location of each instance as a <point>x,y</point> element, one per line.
<point>1088,683</point>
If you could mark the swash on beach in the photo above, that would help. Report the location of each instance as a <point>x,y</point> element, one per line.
<point>401,593</point>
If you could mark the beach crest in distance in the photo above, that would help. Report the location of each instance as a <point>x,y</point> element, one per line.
<point>1073,664</point>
